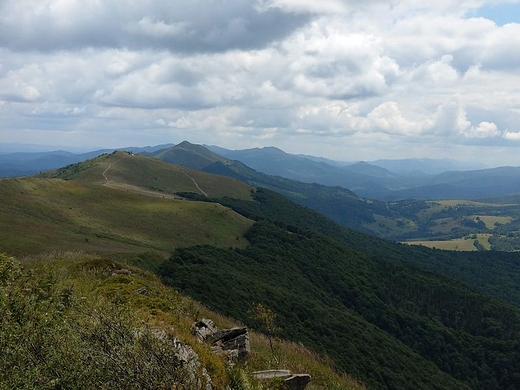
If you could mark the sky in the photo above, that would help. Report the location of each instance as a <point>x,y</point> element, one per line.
<point>343,79</point>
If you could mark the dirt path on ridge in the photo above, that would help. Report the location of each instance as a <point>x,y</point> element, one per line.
<point>196,184</point>
<point>110,166</point>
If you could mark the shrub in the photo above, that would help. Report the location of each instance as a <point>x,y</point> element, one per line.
<point>51,340</point>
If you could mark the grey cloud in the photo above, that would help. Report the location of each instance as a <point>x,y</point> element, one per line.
<point>179,26</point>
<point>259,118</point>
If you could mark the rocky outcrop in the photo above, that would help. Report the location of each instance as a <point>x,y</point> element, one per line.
<point>233,343</point>
<point>189,358</point>
<point>196,375</point>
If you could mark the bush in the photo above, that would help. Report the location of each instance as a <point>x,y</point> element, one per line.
<point>51,340</point>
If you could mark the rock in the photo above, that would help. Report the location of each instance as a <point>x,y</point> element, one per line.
<point>234,342</point>
<point>298,382</point>
<point>293,382</point>
<point>122,271</point>
<point>189,358</point>
<point>203,328</point>
<point>268,374</point>
<point>141,290</point>
<point>197,377</point>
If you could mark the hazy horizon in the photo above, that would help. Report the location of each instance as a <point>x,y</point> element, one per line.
<point>6,149</point>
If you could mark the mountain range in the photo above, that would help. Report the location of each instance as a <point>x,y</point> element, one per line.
<point>393,316</point>
<point>387,180</point>
<point>447,224</point>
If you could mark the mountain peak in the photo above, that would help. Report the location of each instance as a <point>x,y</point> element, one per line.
<point>185,144</point>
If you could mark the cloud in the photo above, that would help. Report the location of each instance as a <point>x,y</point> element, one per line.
<point>174,25</point>
<point>330,76</point>
<point>483,130</point>
<point>512,135</point>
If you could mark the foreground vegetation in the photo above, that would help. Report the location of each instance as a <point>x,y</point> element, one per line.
<point>68,322</point>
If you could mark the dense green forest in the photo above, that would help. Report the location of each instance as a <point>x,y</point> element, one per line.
<point>348,294</point>
<point>494,273</point>
<point>391,325</point>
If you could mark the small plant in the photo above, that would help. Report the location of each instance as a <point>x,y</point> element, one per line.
<point>267,320</point>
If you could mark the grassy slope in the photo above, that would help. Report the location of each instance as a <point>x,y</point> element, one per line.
<point>50,214</point>
<point>118,203</point>
<point>145,173</point>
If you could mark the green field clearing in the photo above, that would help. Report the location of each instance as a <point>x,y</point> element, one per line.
<point>491,220</point>
<point>444,225</point>
<point>384,225</point>
<point>439,206</point>
<point>459,244</point>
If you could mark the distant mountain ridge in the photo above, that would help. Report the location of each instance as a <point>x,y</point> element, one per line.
<point>28,163</point>
<point>387,179</point>
<point>428,166</point>
<point>338,203</point>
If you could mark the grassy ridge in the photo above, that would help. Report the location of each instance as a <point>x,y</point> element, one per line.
<point>48,214</point>
<point>133,171</point>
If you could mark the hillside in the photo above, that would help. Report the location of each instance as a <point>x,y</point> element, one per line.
<point>494,273</point>
<point>52,223</point>
<point>117,203</point>
<point>388,324</point>
<point>129,171</point>
<point>365,302</point>
<point>339,204</point>
<point>489,273</point>
<point>69,321</point>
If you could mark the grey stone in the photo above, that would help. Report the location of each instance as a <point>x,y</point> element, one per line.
<point>268,374</point>
<point>203,328</point>
<point>293,382</point>
<point>234,342</point>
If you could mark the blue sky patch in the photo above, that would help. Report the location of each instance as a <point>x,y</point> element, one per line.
<point>500,13</point>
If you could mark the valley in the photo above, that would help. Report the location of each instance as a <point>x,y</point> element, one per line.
<point>454,224</point>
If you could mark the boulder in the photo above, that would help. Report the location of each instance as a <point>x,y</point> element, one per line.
<point>298,382</point>
<point>234,342</point>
